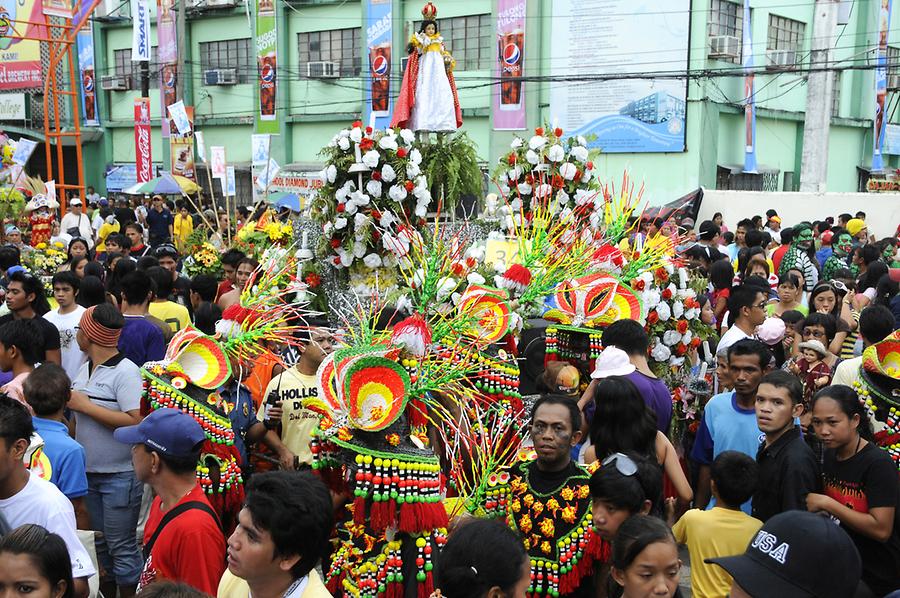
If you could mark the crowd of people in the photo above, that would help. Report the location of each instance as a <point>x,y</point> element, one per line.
<point>787,487</point>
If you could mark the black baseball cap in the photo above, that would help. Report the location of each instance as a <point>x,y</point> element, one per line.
<point>797,555</point>
<point>770,213</point>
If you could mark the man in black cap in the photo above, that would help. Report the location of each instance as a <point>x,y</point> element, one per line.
<point>795,555</point>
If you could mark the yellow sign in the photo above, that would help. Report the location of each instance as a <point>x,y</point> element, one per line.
<point>497,251</point>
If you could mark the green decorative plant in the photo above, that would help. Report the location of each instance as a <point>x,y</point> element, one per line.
<point>451,166</point>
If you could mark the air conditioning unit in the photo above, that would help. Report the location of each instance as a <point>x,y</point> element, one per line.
<point>893,81</point>
<point>220,77</point>
<point>323,70</point>
<point>780,59</point>
<point>217,3</point>
<point>724,46</point>
<point>116,83</point>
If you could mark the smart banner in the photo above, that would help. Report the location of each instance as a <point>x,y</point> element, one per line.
<point>614,39</point>
<point>167,55</point>
<point>140,30</point>
<point>84,43</point>
<point>378,43</point>
<point>884,22</point>
<point>57,8</point>
<point>181,146</point>
<point>20,57</point>
<point>267,62</point>
<point>143,157</point>
<point>749,95</point>
<point>509,94</point>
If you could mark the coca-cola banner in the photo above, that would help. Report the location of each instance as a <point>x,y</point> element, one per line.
<point>266,59</point>
<point>509,94</point>
<point>378,42</point>
<point>167,55</point>
<point>143,157</point>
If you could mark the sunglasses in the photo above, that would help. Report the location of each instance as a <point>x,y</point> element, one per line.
<point>624,464</point>
<point>811,332</point>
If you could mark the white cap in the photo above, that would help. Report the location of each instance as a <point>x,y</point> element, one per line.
<point>612,362</point>
<point>75,202</point>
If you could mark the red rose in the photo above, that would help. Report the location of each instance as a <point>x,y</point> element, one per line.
<point>357,123</point>
<point>313,280</point>
<point>376,235</point>
<point>539,131</point>
<point>366,144</point>
<point>376,175</point>
<point>409,186</point>
<point>558,132</point>
<point>661,273</point>
<point>471,262</point>
<point>667,294</point>
<point>557,181</point>
<point>680,349</point>
<point>652,317</point>
<point>578,174</point>
<point>638,284</point>
<point>590,165</point>
<point>681,326</point>
<point>695,342</point>
<point>340,207</point>
<point>337,261</point>
<point>401,152</point>
<point>529,179</point>
<point>376,214</point>
<point>457,269</point>
<point>511,159</point>
<point>335,243</point>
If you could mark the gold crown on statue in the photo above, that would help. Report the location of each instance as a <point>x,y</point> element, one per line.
<point>429,11</point>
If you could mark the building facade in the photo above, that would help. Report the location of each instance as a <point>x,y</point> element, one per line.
<point>322,60</point>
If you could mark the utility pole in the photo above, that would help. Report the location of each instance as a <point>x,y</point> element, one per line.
<point>819,92</point>
<point>145,78</point>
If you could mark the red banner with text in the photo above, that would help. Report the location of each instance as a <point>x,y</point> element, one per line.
<point>143,157</point>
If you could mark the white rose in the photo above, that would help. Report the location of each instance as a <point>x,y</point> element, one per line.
<point>356,135</point>
<point>346,259</point>
<point>688,337</point>
<point>651,298</point>
<point>514,173</point>
<point>359,198</point>
<point>556,153</point>
<point>664,311</point>
<point>373,188</point>
<point>581,140</point>
<point>344,143</point>
<point>340,223</point>
<point>372,260</point>
<point>331,172</point>
<point>563,198</point>
<point>587,176</point>
<point>327,228</point>
<point>421,210</point>
<point>475,278</point>
<point>407,136</point>
<point>543,191</point>
<point>412,170</point>
<point>387,173</point>
<point>524,189</point>
<point>660,352</point>
<point>387,219</point>
<point>341,194</point>
<point>580,153</point>
<point>677,309</point>
<point>445,286</point>
<point>537,142</point>
<point>692,314</point>
<point>567,170</point>
<point>532,157</point>
<point>516,143</point>
<point>370,158</point>
<point>671,337</point>
<point>676,361</point>
<point>388,142</point>
<point>360,220</point>
<point>516,204</point>
<point>359,249</point>
<point>415,156</point>
<point>583,197</point>
<point>350,208</point>
<point>397,193</point>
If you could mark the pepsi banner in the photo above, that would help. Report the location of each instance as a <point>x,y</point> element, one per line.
<point>509,94</point>
<point>266,58</point>
<point>379,35</point>
<point>626,109</point>
<point>884,22</point>
<point>84,42</point>
<point>167,56</point>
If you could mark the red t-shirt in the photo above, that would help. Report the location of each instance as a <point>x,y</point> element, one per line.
<point>777,256</point>
<point>190,549</point>
<point>224,286</point>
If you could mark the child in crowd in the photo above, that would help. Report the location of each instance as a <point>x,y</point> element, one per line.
<point>811,369</point>
<point>645,560</point>
<point>18,354</point>
<point>723,530</point>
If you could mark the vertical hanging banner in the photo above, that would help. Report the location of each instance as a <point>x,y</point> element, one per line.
<point>85,45</point>
<point>140,31</point>
<point>749,93</point>
<point>143,157</point>
<point>230,182</point>
<point>167,55</point>
<point>267,65</point>
<point>57,8</point>
<point>217,158</point>
<point>509,96</point>
<point>884,22</point>
<point>181,142</point>
<point>379,34</point>
<point>20,56</point>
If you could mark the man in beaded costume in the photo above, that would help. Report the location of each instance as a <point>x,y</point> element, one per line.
<point>878,388</point>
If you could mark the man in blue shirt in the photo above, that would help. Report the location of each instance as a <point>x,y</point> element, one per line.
<point>142,340</point>
<point>160,222</point>
<point>47,390</point>
<point>729,418</point>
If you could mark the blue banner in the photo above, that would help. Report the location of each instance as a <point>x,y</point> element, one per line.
<point>880,120</point>
<point>379,42</point>
<point>749,95</point>
<point>84,42</point>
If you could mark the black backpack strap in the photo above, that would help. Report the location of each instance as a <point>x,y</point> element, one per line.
<point>172,514</point>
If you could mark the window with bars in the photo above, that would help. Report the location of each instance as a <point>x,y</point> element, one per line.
<point>893,63</point>
<point>785,34</point>
<point>229,54</point>
<point>470,39</point>
<point>342,46</point>
<point>726,18</point>
<point>125,67</point>
<point>836,94</point>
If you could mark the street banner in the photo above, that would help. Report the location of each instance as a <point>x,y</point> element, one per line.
<point>179,116</point>
<point>260,149</point>
<point>881,69</point>
<point>57,8</point>
<point>140,31</point>
<point>266,58</point>
<point>217,157</point>
<point>181,146</point>
<point>201,146</point>
<point>378,82</point>
<point>51,190</point>
<point>20,54</point>
<point>24,149</point>
<point>143,157</point>
<point>230,182</point>
<point>749,93</point>
<point>84,42</point>
<point>268,174</point>
<point>167,56</point>
<point>624,113</point>
<point>509,95</point>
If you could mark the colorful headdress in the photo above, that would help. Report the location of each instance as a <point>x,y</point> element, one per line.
<point>429,12</point>
<point>878,388</point>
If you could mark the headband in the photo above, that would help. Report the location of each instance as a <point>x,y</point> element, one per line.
<point>96,332</point>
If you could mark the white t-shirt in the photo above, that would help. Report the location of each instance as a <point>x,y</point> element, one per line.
<point>731,336</point>
<point>41,503</point>
<point>82,222</point>
<point>67,324</point>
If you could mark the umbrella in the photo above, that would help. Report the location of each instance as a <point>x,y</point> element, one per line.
<point>290,201</point>
<point>166,184</point>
